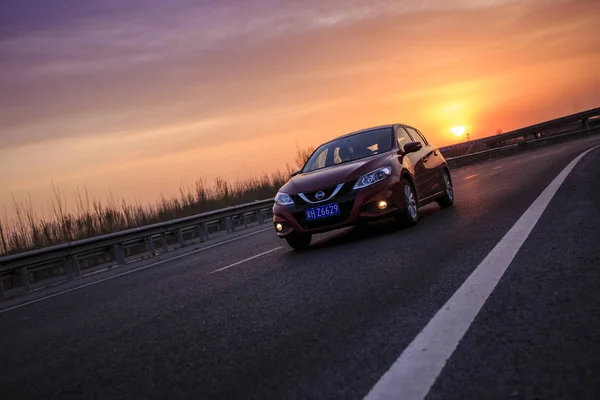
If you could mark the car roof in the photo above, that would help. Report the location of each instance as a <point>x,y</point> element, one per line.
<point>372,128</point>
<point>365,130</point>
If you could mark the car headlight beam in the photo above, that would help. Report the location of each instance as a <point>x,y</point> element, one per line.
<point>373,177</point>
<point>283,199</point>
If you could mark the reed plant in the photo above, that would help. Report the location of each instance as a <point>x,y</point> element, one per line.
<point>87,217</point>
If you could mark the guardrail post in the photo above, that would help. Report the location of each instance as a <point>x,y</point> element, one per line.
<point>25,280</point>
<point>150,245</point>
<point>180,237</point>
<point>259,217</point>
<point>163,241</point>
<point>119,254</point>
<point>71,266</point>
<point>1,288</point>
<point>245,220</point>
<point>200,232</point>
<point>229,225</point>
<point>586,123</point>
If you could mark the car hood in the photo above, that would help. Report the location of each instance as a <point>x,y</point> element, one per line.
<point>330,176</point>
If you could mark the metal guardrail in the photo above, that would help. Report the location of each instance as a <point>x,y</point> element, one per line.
<point>25,271</point>
<point>583,118</point>
<point>473,158</point>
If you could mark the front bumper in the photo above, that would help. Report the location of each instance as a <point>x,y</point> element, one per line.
<point>355,206</point>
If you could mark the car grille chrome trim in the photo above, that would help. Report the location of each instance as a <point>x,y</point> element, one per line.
<point>336,191</point>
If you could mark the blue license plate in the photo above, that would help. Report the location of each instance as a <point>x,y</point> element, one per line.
<point>327,210</point>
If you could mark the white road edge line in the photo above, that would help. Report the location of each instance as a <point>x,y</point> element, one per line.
<point>246,260</point>
<point>413,374</point>
<point>134,270</point>
<point>470,176</point>
<point>497,167</point>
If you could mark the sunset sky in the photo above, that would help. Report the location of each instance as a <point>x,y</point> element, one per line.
<point>140,96</point>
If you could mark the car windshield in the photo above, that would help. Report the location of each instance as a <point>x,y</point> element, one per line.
<point>350,148</point>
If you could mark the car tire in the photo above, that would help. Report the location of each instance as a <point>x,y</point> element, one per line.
<point>410,215</point>
<point>448,198</point>
<point>299,241</point>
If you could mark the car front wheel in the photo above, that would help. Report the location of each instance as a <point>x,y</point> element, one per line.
<point>299,241</point>
<point>410,214</point>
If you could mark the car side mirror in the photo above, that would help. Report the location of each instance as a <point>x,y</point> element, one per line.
<point>411,147</point>
<point>295,173</point>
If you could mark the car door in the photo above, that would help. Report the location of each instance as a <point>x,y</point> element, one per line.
<point>436,164</point>
<point>426,165</point>
<point>415,163</point>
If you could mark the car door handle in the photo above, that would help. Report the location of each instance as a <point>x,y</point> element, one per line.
<point>427,156</point>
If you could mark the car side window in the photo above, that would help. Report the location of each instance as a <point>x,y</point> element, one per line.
<point>403,137</point>
<point>416,137</point>
<point>422,137</point>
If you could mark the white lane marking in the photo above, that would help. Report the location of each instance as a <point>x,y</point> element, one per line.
<point>470,176</point>
<point>546,154</point>
<point>134,270</point>
<point>413,374</point>
<point>245,260</point>
<point>497,167</point>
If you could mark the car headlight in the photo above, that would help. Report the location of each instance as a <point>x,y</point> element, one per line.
<point>373,177</point>
<point>283,199</point>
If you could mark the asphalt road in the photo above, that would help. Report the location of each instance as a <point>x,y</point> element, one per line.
<point>329,323</point>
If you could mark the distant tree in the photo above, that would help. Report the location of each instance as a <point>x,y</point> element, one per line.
<point>499,132</point>
<point>302,156</point>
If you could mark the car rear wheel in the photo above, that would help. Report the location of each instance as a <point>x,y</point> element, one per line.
<point>448,199</point>
<point>410,214</point>
<point>299,241</point>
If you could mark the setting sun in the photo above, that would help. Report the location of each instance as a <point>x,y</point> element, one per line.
<point>458,130</point>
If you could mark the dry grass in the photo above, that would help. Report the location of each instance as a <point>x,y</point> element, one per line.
<point>28,230</point>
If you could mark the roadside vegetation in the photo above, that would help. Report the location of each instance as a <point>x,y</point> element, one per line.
<point>90,217</point>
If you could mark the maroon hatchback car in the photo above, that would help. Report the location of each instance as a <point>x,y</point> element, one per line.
<point>380,172</point>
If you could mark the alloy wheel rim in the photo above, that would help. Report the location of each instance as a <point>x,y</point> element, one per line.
<point>409,197</point>
<point>449,190</point>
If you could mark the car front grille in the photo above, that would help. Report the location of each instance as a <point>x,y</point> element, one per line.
<point>312,196</point>
<point>347,188</point>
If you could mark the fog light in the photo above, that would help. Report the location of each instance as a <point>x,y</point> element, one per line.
<point>382,205</point>
<point>279,227</point>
